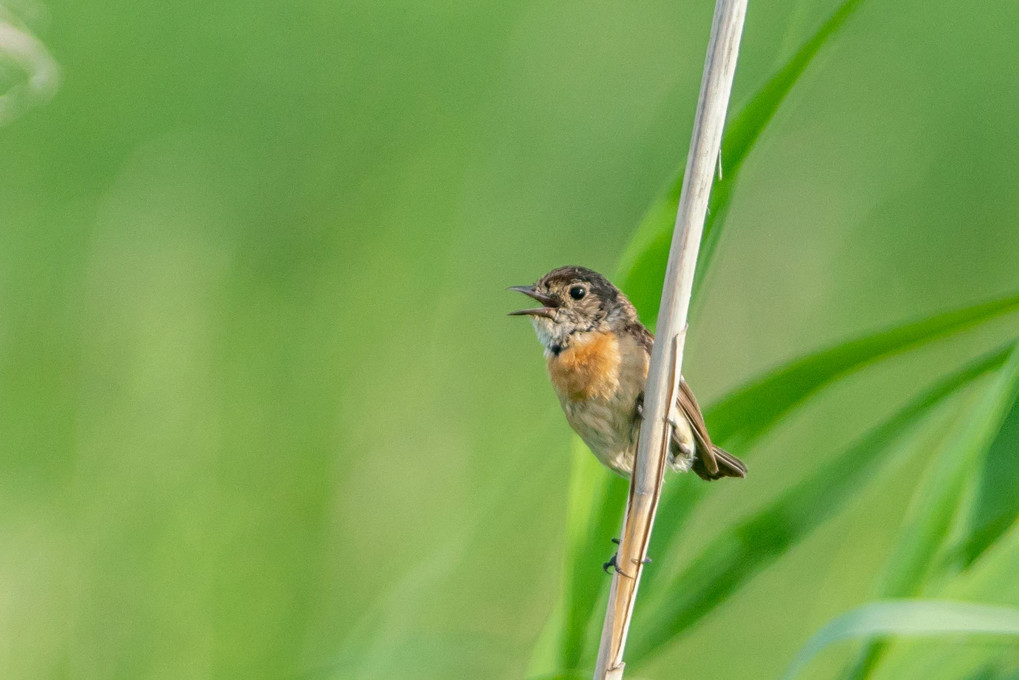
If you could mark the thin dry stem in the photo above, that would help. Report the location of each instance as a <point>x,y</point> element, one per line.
<point>667,355</point>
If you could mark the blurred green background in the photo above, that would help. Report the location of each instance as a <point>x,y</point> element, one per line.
<point>261,412</point>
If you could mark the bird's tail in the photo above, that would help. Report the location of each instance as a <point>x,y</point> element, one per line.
<point>728,466</point>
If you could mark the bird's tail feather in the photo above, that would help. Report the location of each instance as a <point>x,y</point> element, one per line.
<point>728,466</point>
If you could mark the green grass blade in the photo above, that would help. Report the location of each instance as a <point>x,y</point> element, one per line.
<point>746,414</point>
<point>997,505</point>
<point>936,498</point>
<point>909,618</point>
<point>736,421</point>
<point>643,262</point>
<point>641,273</point>
<point>993,574</point>
<point>589,526</point>
<point>991,579</point>
<point>561,645</point>
<point>742,550</point>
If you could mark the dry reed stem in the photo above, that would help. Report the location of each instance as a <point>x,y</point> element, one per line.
<point>667,354</point>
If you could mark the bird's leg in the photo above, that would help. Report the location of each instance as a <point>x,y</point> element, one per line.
<point>611,560</point>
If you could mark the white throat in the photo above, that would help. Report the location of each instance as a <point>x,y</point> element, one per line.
<point>550,334</point>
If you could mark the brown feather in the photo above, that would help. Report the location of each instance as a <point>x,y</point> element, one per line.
<point>588,369</point>
<point>692,410</point>
<point>710,462</point>
<point>597,353</point>
<point>729,465</point>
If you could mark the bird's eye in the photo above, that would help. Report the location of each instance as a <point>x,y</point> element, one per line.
<point>577,292</point>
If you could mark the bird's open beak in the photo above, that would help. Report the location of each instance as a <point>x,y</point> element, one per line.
<point>548,311</point>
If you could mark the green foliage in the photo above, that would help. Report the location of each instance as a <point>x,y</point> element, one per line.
<point>910,617</point>
<point>997,504</point>
<point>641,271</point>
<point>744,416</point>
<point>743,549</point>
<point>741,419</point>
<point>588,522</point>
<point>642,268</point>
<point>261,412</point>
<point>936,500</point>
<point>937,495</point>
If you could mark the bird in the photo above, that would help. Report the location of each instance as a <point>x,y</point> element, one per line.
<point>597,353</point>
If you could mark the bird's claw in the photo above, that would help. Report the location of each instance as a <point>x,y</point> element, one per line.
<point>612,563</point>
<point>612,560</point>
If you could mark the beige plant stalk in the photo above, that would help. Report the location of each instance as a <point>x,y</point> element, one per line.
<point>667,355</point>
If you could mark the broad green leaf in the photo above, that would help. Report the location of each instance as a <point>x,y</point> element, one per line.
<point>909,618</point>
<point>929,517</point>
<point>742,550</point>
<point>740,418</point>
<point>643,263</point>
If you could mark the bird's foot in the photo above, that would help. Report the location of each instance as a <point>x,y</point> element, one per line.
<point>613,563</point>
<point>612,560</point>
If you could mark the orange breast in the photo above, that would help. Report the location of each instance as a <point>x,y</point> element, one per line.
<point>588,368</point>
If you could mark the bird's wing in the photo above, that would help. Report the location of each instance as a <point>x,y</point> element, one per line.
<point>688,405</point>
<point>710,462</point>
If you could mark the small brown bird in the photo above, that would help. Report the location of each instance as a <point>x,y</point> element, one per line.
<point>597,353</point>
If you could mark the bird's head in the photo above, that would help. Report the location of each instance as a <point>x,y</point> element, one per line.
<point>574,300</point>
